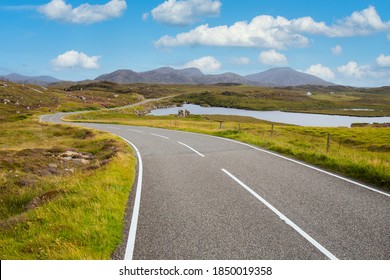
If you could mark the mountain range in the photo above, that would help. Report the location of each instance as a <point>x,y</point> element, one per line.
<point>37,80</point>
<point>275,77</point>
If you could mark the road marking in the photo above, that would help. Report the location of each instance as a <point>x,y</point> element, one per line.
<point>158,135</point>
<point>134,130</point>
<point>192,149</point>
<point>298,162</point>
<point>134,220</point>
<point>284,218</point>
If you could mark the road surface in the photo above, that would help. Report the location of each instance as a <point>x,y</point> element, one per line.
<point>203,197</point>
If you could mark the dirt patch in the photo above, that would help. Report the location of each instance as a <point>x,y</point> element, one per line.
<point>13,221</point>
<point>43,198</point>
<point>34,163</point>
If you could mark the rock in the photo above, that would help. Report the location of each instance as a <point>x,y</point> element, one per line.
<point>53,165</point>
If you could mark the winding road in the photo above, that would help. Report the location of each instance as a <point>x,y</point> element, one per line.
<point>203,197</point>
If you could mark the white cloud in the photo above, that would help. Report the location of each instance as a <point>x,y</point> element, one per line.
<point>262,31</point>
<point>383,61</point>
<point>337,50</point>
<point>364,75</point>
<point>360,23</point>
<point>321,72</point>
<point>352,69</point>
<point>83,14</point>
<point>185,12</point>
<point>266,31</point>
<point>74,59</point>
<point>240,60</point>
<point>206,64</point>
<point>272,57</point>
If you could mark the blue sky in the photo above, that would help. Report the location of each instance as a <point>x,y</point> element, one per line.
<point>346,42</point>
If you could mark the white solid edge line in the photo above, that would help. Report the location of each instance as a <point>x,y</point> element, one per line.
<point>134,220</point>
<point>306,165</point>
<point>284,218</point>
<point>192,149</point>
<point>158,135</point>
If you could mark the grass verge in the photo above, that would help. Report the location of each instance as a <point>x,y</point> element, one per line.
<point>63,191</point>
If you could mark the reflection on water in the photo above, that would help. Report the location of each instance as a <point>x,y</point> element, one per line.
<point>275,116</point>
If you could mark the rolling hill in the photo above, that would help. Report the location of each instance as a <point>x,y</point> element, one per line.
<point>285,77</point>
<point>276,77</point>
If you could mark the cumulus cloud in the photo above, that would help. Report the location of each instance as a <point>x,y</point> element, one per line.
<point>360,23</point>
<point>185,12</point>
<point>83,14</point>
<point>240,60</point>
<point>266,31</point>
<point>321,72</point>
<point>337,50</point>
<point>74,59</point>
<point>272,57</point>
<point>352,69</point>
<point>206,64</point>
<point>383,61</point>
<point>262,31</point>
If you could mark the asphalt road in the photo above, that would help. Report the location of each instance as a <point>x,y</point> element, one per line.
<point>202,197</point>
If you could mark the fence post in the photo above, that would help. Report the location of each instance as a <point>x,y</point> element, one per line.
<point>328,143</point>
<point>220,124</point>
<point>272,130</point>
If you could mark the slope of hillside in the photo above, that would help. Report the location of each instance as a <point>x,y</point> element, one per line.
<point>18,101</point>
<point>285,76</point>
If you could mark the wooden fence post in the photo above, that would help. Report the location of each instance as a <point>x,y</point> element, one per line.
<point>328,143</point>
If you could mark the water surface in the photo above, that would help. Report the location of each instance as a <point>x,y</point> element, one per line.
<point>302,119</point>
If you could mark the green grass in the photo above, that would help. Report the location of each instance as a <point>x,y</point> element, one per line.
<point>362,153</point>
<point>52,208</point>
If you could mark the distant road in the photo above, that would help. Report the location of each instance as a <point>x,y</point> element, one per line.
<point>204,197</point>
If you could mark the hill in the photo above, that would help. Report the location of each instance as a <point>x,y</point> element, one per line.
<point>285,77</point>
<point>17,101</point>
<point>276,77</point>
<point>36,80</point>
